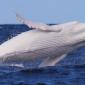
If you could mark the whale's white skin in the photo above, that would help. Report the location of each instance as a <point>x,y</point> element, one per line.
<point>52,43</point>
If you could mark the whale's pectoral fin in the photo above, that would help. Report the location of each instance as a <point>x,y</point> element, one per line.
<point>52,61</point>
<point>31,24</point>
<point>35,25</point>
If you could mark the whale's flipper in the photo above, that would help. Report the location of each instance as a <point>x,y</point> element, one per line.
<point>35,25</point>
<point>32,24</point>
<point>52,61</point>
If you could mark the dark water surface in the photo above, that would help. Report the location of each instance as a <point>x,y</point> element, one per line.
<point>70,71</point>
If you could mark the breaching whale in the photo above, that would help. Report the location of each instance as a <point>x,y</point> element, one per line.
<point>52,43</point>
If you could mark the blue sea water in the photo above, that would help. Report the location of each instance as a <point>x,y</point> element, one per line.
<point>69,71</point>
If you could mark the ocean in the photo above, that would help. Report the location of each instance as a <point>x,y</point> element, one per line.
<point>69,71</point>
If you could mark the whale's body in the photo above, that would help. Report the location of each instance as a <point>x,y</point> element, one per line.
<point>52,43</point>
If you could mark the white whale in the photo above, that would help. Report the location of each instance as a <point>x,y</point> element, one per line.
<point>52,43</point>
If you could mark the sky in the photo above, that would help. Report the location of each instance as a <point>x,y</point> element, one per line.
<point>45,11</point>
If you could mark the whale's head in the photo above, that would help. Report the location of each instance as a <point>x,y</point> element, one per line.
<point>74,33</point>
